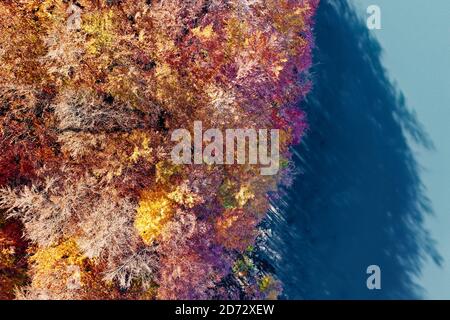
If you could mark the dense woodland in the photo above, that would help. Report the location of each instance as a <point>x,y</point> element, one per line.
<point>91,207</point>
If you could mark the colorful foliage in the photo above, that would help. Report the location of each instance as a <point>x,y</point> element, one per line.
<point>90,92</point>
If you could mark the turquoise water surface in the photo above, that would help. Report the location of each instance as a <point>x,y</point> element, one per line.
<point>374,168</point>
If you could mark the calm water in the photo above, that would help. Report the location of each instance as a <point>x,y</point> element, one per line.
<point>359,199</point>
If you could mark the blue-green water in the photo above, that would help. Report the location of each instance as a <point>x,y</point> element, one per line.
<point>362,196</point>
<point>416,43</point>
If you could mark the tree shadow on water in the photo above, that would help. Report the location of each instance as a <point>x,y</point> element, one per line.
<point>359,200</point>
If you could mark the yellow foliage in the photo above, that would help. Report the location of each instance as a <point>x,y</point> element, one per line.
<point>244,195</point>
<point>183,195</point>
<point>6,257</point>
<point>153,213</point>
<point>204,33</point>
<point>265,282</point>
<point>237,33</point>
<point>56,259</point>
<point>164,44</point>
<point>48,258</point>
<point>52,10</point>
<point>165,170</point>
<point>100,27</point>
<point>142,152</point>
<point>167,82</point>
<point>269,285</point>
<point>290,18</point>
<point>277,68</point>
<point>228,222</point>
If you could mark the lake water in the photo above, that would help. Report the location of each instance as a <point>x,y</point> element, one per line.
<point>362,196</point>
